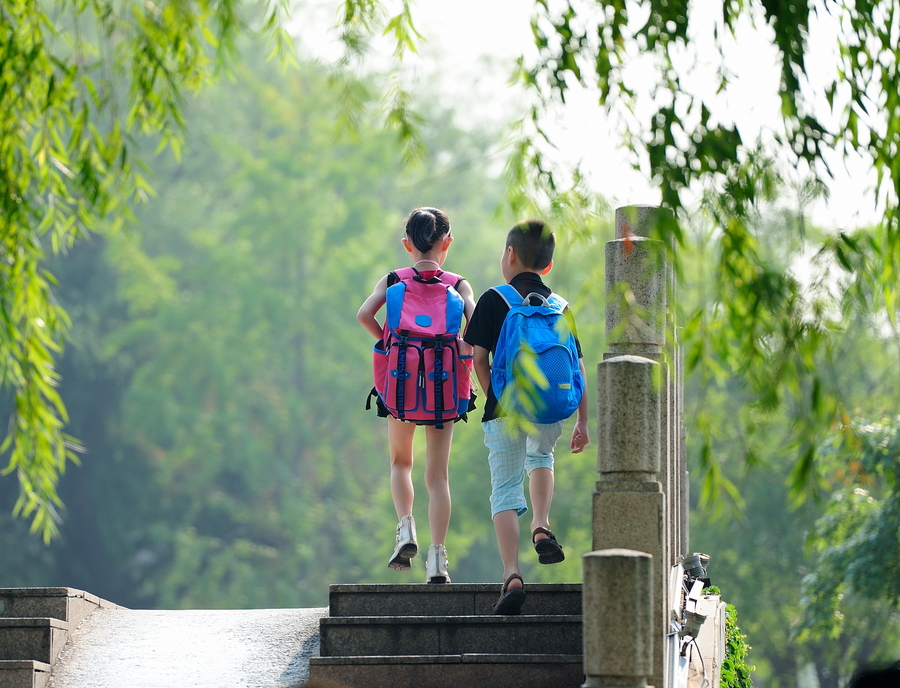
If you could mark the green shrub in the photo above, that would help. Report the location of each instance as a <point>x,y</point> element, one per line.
<point>735,669</point>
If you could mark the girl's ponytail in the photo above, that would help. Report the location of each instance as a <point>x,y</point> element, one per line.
<point>425,226</point>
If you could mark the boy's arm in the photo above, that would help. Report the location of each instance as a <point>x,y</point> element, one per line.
<point>580,436</point>
<point>366,313</point>
<point>482,367</point>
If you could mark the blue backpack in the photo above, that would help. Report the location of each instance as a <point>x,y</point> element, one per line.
<point>535,370</point>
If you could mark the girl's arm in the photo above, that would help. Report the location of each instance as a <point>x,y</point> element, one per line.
<point>373,304</point>
<point>465,290</point>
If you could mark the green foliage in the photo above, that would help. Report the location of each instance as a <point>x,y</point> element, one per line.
<point>249,376</point>
<point>762,325</point>
<point>762,545</point>
<point>360,19</point>
<point>764,550</point>
<point>683,142</point>
<point>77,81</point>
<point>736,672</point>
<point>857,536</point>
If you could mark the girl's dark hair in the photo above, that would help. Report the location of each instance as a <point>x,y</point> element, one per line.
<point>425,226</point>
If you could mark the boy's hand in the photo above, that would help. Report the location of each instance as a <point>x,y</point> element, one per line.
<point>580,437</point>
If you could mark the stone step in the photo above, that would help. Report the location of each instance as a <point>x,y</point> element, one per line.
<point>38,640</point>
<point>35,624</point>
<point>451,671</point>
<point>449,635</point>
<point>16,673</point>
<point>65,604</point>
<point>447,600</point>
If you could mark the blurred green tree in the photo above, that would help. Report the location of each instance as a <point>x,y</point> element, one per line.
<point>856,542</point>
<point>79,81</point>
<point>761,553</point>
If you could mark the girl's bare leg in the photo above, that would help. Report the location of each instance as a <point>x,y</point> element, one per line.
<point>437,481</point>
<point>400,438</point>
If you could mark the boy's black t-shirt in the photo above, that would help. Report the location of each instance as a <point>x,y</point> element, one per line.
<point>490,312</point>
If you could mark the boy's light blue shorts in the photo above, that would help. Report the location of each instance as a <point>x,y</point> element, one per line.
<point>512,453</point>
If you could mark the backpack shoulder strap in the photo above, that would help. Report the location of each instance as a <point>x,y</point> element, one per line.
<point>557,302</point>
<point>509,294</point>
<point>450,278</point>
<point>404,274</point>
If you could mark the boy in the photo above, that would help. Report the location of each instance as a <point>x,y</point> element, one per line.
<point>511,452</point>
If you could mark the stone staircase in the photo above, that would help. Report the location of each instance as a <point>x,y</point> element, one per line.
<point>374,635</point>
<point>35,624</point>
<point>445,636</point>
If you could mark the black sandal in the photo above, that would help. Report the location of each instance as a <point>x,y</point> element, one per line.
<point>549,550</point>
<point>511,600</point>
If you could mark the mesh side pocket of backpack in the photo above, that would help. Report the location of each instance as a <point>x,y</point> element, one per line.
<point>380,367</point>
<point>547,397</point>
<point>554,363</point>
<point>464,366</point>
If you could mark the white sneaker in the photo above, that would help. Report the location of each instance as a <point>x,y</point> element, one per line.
<point>407,547</point>
<point>436,565</point>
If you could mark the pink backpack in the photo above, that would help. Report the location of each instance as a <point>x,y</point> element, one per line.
<point>419,373</point>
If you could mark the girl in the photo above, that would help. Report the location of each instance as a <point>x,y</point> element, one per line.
<point>427,240</point>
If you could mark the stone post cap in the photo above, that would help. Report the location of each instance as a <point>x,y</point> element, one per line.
<point>618,552</point>
<point>641,220</point>
<point>629,358</point>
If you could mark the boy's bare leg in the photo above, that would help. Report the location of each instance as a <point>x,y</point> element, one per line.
<point>540,487</point>
<point>437,481</point>
<point>506,525</point>
<point>400,437</point>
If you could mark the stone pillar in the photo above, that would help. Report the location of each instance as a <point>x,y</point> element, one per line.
<point>641,498</point>
<point>629,506</point>
<point>640,319</point>
<point>618,637</point>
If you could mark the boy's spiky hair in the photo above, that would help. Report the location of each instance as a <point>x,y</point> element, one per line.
<point>533,242</point>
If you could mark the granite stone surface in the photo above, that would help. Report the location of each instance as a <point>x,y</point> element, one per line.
<point>32,639</point>
<point>257,648</point>
<point>23,674</point>
<point>618,617</point>
<point>628,433</point>
<point>636,289</point>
